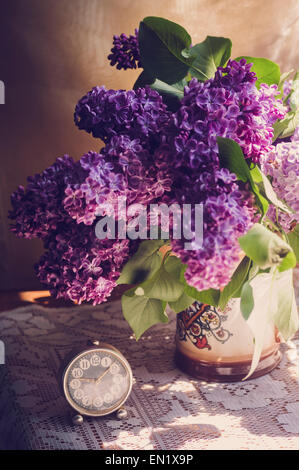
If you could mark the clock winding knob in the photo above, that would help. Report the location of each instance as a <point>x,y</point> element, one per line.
<point>93,342</point>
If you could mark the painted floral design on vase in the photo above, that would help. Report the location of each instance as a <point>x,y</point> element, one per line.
<point>217,345</point>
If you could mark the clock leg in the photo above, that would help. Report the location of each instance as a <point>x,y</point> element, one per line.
<point>122,413</point>
<point>76,418</point>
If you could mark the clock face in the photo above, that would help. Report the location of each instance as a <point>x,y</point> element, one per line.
<point>97,382</point>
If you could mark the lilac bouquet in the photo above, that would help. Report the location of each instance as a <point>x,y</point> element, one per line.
<point>201,136</point>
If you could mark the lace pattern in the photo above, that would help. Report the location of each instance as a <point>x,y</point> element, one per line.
<point>166,409</point>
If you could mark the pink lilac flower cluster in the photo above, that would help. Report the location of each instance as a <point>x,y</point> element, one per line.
<point>282,165</point>
<point>125,52</point>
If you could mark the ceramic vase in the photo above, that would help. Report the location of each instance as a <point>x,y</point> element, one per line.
<point>217,345</point>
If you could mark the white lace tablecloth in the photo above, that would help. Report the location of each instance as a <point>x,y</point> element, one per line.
<point>167,409</point>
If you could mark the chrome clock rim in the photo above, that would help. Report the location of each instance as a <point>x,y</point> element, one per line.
<point>107,411</point>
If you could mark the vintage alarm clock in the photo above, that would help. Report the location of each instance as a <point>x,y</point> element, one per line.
<point>97,381</point>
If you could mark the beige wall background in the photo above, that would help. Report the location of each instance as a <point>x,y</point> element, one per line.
<point>53,51</point>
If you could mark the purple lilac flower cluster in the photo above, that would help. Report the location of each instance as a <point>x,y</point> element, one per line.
<point>150,156</point>
<point>124,168</point>
<point>229,105</point>
<point>61,205</point>
<point>37,210</point>
<point>138,114</point>
<point>282,165</point>
<point>229,212</point>
<point>76,265</point>
<point>125,52</point>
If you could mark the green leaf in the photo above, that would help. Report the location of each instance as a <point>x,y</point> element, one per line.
<point>293,240</point>
<point>143,264</point>
<point>264,247</point>
<point>293,96</point>
<point>247,301</point>
<point>235,283</point>
<point>286,316</point>
<point>209,296</point>
<point>144,79</point>
<point>264,300</point>
<point>285,127</point>
<point>288,262</point>
<point>163,286</point>
<point>213,52</point>
<point>183,302</point>
<point>266,71</point>
<point>141,312</point>
<point>174,90</point>
<point>161,43</point>
<point>283,77</point>
<point>253,271</point>
<point>177,269</point>
<point>171,94</point>
<point>174,266</point>
<point>266,189</point>
<point>269,299</point>
<point>231,157</point>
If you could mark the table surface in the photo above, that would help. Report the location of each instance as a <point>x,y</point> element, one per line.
<point>166,409</point>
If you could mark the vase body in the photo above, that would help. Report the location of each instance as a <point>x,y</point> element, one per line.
<point>217,345</point>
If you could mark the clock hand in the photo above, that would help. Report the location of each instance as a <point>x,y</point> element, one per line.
<point>104,373</point>
<point>87,380</point>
